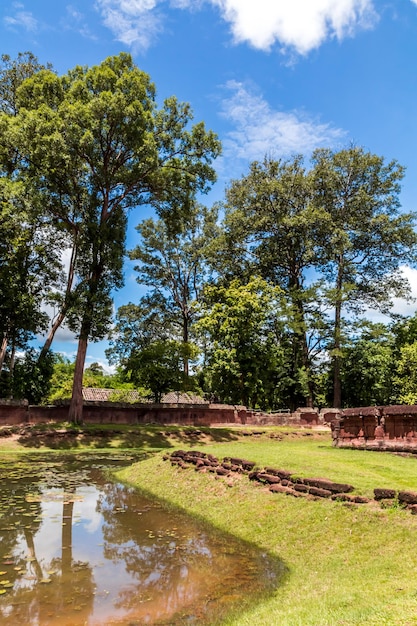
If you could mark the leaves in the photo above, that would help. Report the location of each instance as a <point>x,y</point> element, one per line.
<point>240,325</point>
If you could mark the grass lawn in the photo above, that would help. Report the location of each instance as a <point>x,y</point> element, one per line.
<point>345,564</point>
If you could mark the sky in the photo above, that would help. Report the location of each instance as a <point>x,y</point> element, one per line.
<point>277,77</point>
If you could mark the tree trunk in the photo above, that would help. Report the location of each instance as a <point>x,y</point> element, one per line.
<point>337,385</point>
<point>306,364</point>
<point>185,338</point>
<point>301,340</point>
<point>48,341</point>
<point>34,563</point>
<point>3,350</point>
<point>11,369</point>
<point>66,554</point>
<point>65,306</point>
<point>76,406</point>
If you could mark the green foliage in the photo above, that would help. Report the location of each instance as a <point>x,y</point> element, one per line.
<point>241,327</point>
<point>29,379</point>
<point>61,380</point>
<point>159,367</point>
<point>79,151</point>
<point>146,353</point>
<point>172,263</point>
<point>368,367</point>
<point>29,247</point>
<point>125,395</point>
<point>406,374</point>
<point>404,330</point>
<point>332,238</point>
<point>137,326</point>
<point>366,241</point>
<point>271,229</point>
<point>29,264</point>
<point>147,338</point>
<point>12,74</point>
<point>94,376</point>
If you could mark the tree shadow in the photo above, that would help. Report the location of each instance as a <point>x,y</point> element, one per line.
<point>148,437</point>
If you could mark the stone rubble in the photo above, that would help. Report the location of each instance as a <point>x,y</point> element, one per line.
<point>281,481</point>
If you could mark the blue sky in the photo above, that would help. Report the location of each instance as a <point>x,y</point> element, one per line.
<point>271,76</point>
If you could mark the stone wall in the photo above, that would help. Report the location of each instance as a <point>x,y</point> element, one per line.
<point>100,412</point>
<point>392,428</point>
<point>119,413</point>
<point>300,417</point>
<point>13,412</point>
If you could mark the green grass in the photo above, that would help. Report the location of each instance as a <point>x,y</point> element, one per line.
<point>346,564</point>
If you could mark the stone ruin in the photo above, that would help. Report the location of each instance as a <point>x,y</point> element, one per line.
<point>283,482</point>
<point>385,428</point>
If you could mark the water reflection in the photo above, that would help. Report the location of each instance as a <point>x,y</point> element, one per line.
<point>76,548</point>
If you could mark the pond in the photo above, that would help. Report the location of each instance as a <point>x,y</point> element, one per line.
<point>78,548</point>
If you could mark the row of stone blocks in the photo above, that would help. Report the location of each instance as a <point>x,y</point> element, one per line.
<point>282,481</point>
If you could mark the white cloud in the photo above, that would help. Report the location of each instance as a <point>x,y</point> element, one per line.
<point>75,20</point>
<point>93,358</point>
<point>297,25</point>
<point>400,305</point>
<point>301,25</point>
<point>133,22</point>
<point>259,129</point>
<point>21,19</point>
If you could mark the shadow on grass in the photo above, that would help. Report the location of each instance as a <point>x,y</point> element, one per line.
<point>148,437</point>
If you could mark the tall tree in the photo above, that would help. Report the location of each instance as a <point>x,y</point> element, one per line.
<point>271,229</point>
<point>29,263</point>
<point>172,262</point>
<point>13,72</point>
<point>143,346</point>
<point>29,266</point>
<point>243,330</point>
<point>368,365</point>
<point>367,241</point>
<point>96,145</point>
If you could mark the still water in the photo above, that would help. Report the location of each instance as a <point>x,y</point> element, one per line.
<point>77,548</point>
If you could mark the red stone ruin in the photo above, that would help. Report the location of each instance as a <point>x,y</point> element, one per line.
<point>391,428</point>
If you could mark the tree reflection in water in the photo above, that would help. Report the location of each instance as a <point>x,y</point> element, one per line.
<point>179,568</point>
<point>39,591</point>
<point>115,557</point>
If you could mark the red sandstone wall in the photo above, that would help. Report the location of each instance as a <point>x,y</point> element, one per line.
<point>43,414</point>
<point>186,414</point>
<point>383,428</point>
<point>13,413</point>
<point>112,413</point>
